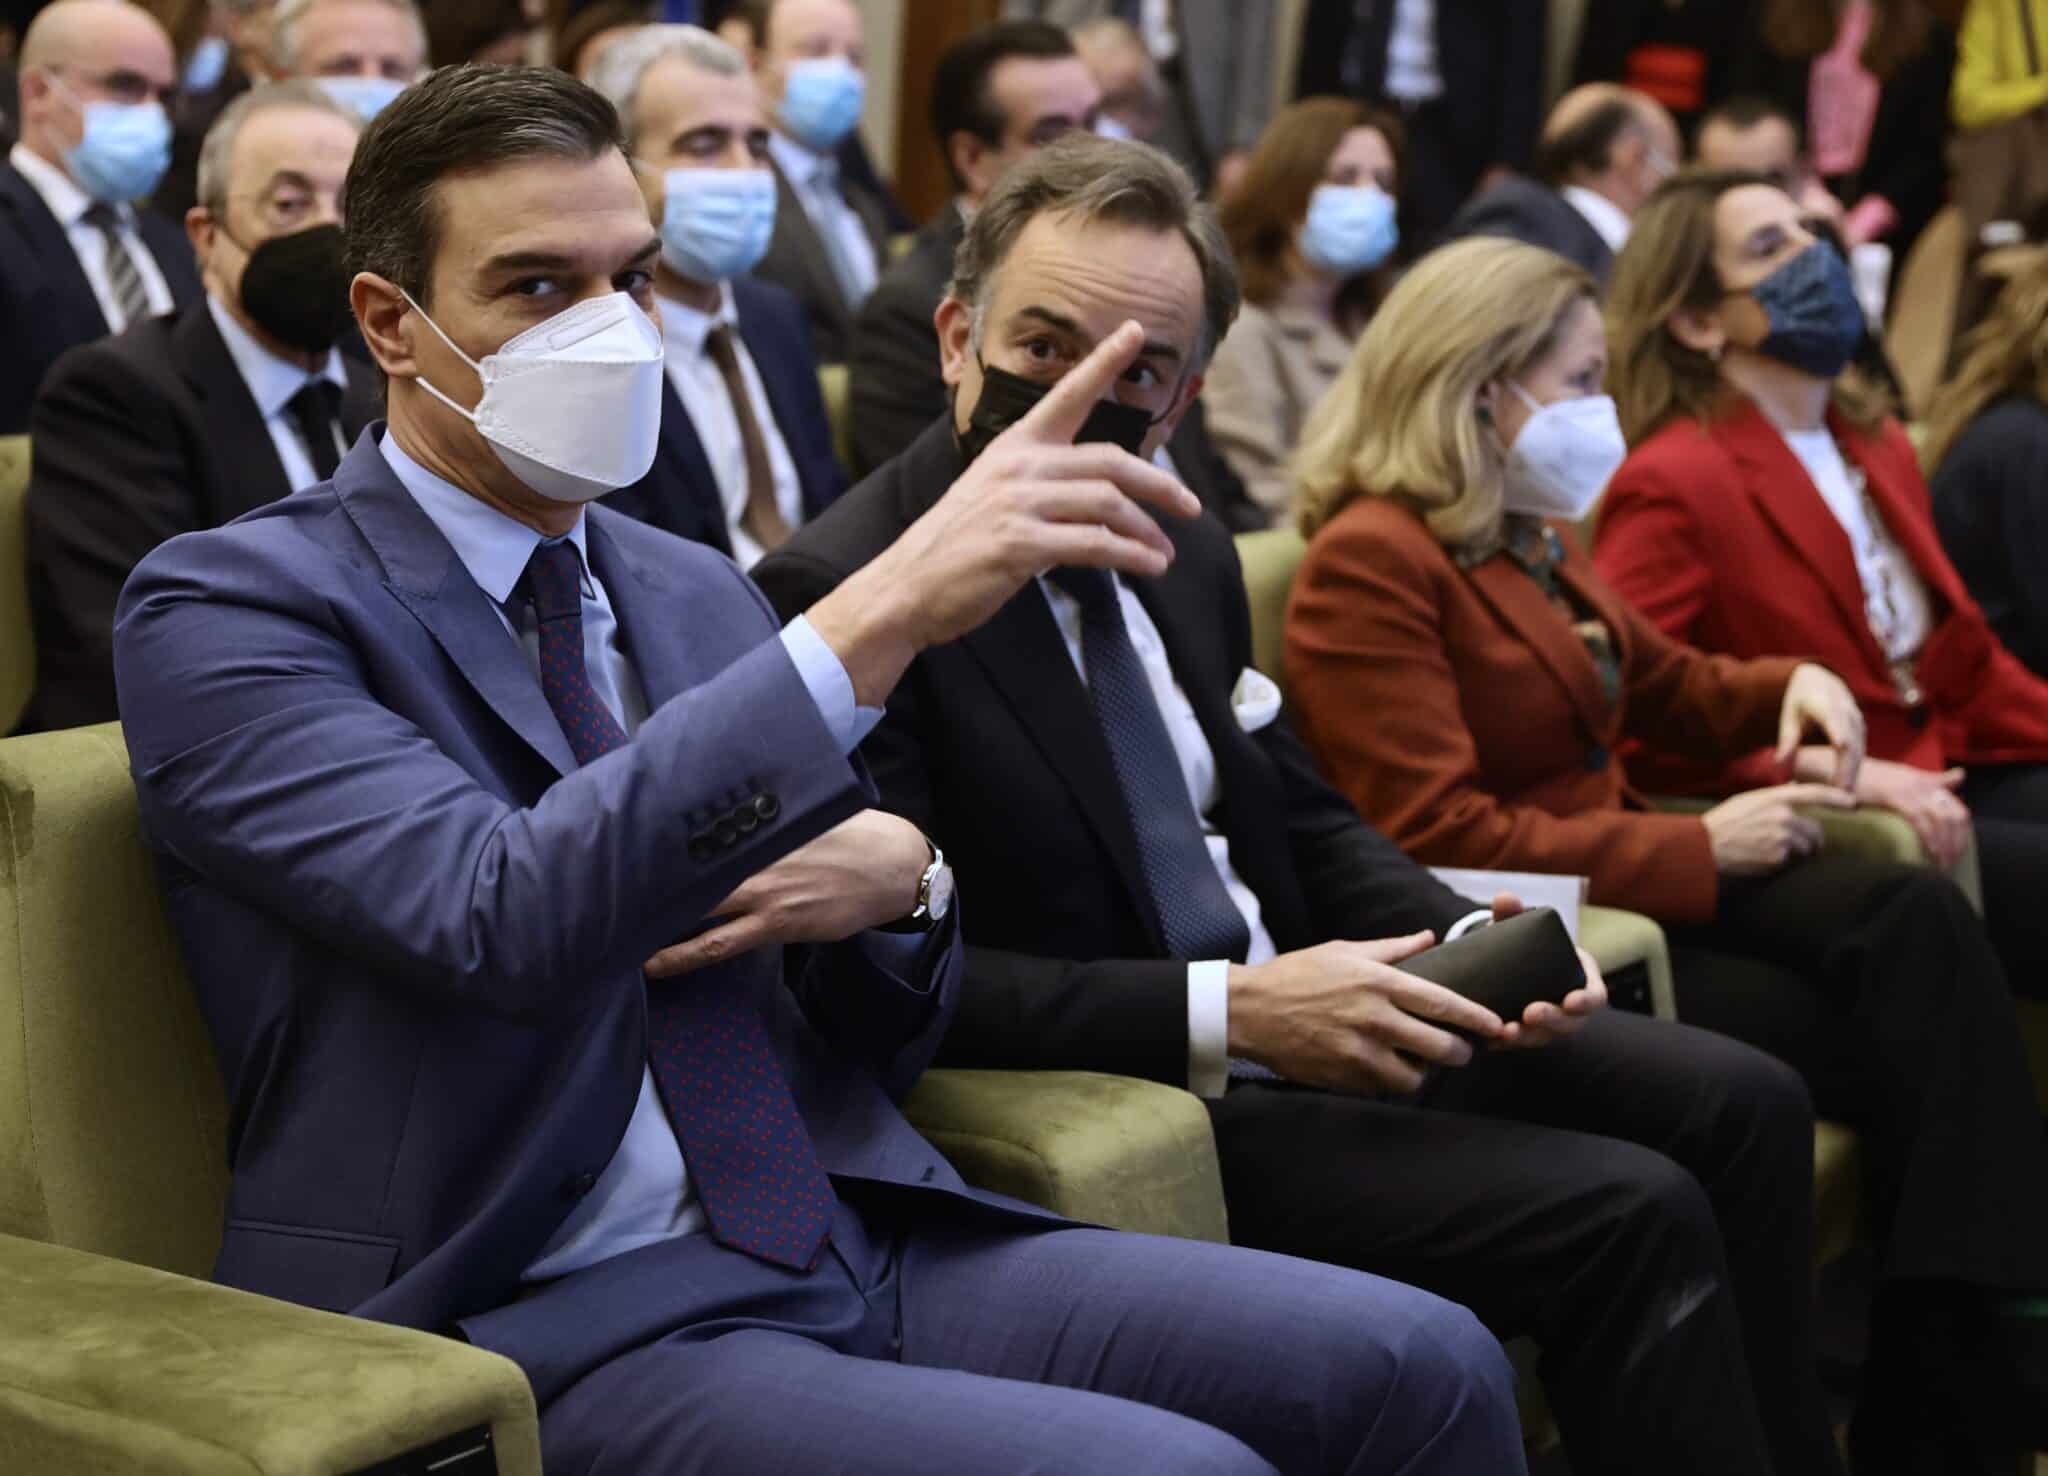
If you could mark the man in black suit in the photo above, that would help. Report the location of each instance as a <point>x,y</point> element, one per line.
<point>190,420</point>
<point>1164,888</point>
<point>831,231</point>
<point>77,261</point>
<point>1466,76</point>
<point>746,448</point>
<point>1604,149</point>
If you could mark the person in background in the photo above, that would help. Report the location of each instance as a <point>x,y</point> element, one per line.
<point>364,52</point>
<point>1134,96</point>
<point>78,260</point>
<point>1214,59</point>
<point>2000,86</point>
<point>582,39</point>
<point>192,419</point>
<point>1687,54</point>
<point>746,450</point>
<point>1986,445</point>
<point>1311,228</point>
<point>831,231</point>
<point>1753,133</point>
<point>1465,77</point>
<point>1467,679</point>
<point>232,54</point>
<point>1604,149</point>
<point>477,30</point>
<point>998,94</point>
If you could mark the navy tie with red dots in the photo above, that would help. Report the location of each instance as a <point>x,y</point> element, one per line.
<point>750,1157</point>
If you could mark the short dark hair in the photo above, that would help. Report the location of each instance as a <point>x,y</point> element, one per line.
<point>962,99</point>
<point>457,121</point>
<point>1588,144</point>
<point>1745,111</point>
<point>1100,181</point>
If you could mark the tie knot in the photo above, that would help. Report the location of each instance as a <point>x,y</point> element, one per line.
<point>554,578</point>
<point>718,344</point>
<point>317,397</point>
<point>1094,590</point>
<point>102,217</point>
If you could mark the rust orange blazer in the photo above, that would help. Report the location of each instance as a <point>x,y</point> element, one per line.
<point>1463,716</point>
<point>1720,538</point>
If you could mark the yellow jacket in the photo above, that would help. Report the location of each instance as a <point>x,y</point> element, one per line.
<point>1995,79</point>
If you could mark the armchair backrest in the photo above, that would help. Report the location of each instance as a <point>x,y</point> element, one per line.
<point>17,643</point>
<point>113,1122</point>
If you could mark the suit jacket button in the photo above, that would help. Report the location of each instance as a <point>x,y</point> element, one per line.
<point>728,834</point>
<point>767,806</point>
<point>745,818</point>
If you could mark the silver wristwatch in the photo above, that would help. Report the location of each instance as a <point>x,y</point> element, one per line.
<point>934,897</point>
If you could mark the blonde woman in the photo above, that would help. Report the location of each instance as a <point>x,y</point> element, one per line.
<point>1463,674</point>
<point>1987,441</point>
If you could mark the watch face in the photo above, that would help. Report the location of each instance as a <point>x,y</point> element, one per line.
<point>939,900</point>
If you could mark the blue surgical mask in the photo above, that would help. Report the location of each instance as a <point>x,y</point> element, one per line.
<point>822,101</point>
<point>207,64</point>
<point>1816,322</point>
<point>1350,228</point>
<point>369,96</point>
<point>124,151</point>
<point>716,223</point>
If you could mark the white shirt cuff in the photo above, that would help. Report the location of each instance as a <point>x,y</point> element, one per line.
<point>824,677</point>
<point>1209,1028</point>
<point>1463,925</point>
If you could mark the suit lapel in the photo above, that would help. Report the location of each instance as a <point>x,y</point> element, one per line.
<point>48,245</point>
<point>236,434</point>
<point>653,611</point>
<point>423,573</point>
<point>803,238</point>
<point>1521,604</point>
<point>775,366</point>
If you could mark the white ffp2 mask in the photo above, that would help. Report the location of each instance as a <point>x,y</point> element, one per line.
<point>572,406</point>
<point>1563,456</point>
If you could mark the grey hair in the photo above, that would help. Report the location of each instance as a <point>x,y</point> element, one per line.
<point>1100,181</point>
<point>291,14</point>
<point>217,151</point>
<point>624,65</point>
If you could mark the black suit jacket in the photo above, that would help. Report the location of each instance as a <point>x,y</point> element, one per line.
<point>990,743</point>
<point>1490,53</point>
<point>1528,211</point>
<point>679,494</point>
<point>137,438</point>
<point>796,261</point>
<point>46,303</point>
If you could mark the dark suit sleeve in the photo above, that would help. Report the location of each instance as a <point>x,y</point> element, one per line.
<point>111,478</point>
<point>883,1000</point>
<point>894,387</point>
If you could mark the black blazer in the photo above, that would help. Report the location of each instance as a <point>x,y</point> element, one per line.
<point>1490,53</point>
<point>796,261</point>
<point>137,438</point>
<point>46,303</point>
<point>892,363</point>
<point>991,745</point>
<point>1992,513</point>
<point>1528,211</point>
<point>679,494</point>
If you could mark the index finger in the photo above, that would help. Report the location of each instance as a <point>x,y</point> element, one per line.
<point>1058,416</point>
<point>1133,476</point>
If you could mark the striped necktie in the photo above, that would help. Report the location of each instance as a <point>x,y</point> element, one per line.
<point>130,296</point>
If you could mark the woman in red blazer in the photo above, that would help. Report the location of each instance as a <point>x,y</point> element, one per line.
<point>1464,675</point>
<point>1768,509</point>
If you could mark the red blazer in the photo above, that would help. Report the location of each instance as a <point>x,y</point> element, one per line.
<point>1463,716</point>
<point>1720,538</point>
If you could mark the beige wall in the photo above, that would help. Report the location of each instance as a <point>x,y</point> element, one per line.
<point>884,22</point>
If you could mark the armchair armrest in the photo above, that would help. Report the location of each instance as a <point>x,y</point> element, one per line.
<point>111,1366</point>
<point>1617,938</point>
<point>1108,1150</point>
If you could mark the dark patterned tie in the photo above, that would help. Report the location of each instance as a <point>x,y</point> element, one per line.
<point>750,1157</point>
<point>316,411</point>
<point>129,294</point>
<point>1195,912</point>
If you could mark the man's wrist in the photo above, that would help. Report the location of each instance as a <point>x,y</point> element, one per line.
<point>869,629</point>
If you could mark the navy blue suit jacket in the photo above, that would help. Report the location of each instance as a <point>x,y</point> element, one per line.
<point>679,494</point>
<point>46,301</point>
<point>416,927</point>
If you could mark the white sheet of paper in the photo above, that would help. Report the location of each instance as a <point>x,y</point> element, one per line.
<point>1567,894</point>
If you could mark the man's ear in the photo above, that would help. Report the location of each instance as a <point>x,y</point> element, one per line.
<point>199,229</point>
<point>955,322</point>
<point>381,310</point>
<point>964,151</point>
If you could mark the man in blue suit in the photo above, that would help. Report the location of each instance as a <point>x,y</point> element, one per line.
<point>561,978</point>
<point>746,448</point>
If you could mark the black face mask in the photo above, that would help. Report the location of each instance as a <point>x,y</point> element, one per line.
<point>294,288</point>
<point>1007,398</point>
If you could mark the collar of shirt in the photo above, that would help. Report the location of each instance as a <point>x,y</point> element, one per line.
<point>799,164</point>
<point>1601,213</point>
<point>684,328</point>
<point>493,547</point>
<point>59,191</point>
<point>272,381</point>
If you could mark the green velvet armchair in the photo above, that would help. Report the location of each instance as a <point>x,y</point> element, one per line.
<point>117,1356</point>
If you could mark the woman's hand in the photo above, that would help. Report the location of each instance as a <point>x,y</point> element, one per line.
<point>1817,698</point>
<point>1754,834</point>
<point>1927,801</point>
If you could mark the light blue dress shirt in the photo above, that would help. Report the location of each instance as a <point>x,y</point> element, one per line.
<point>644,1193</point>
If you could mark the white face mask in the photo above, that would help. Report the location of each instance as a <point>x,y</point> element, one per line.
<point>1563,456</point>
<point>572,406</point>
